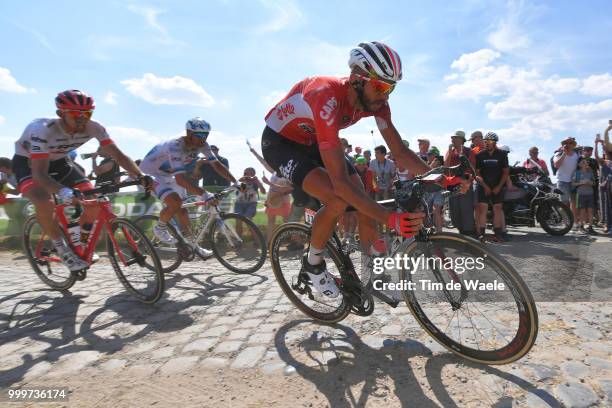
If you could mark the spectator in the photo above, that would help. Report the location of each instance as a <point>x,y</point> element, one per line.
<point>384,171</point>
<point>247,197</point>
<point>587,154</point>
<point>582,183</point>
<point>348,149</point>
<point>366,175</point>
<point>107,171</point>
<point>605,185</point>
<point>477,144</point>
<point>436,200</point>
<point>278,202</point>
<point>368,156</point>
<point>492,171</point>
<point>402,173</point>
<point>8,182</point>
<point>423,149</point>
<point>357,151</point>
<point>210,177</point>
<point>533,161</point>
<point>461,206</point>
<point>566,162</point>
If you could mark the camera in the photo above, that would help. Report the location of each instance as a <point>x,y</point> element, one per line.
<point>85,156</point>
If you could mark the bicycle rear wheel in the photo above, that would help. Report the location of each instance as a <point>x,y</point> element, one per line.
<point>135,261</point>
<point>43,256</point>
<point>497,324</point>
<point>287,247</point>
<point>237,243</point>
<point>167,253</point>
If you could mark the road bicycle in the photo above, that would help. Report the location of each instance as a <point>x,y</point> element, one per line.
<point>132,255</point>
<point>496,326</point>
<point>235,240</point>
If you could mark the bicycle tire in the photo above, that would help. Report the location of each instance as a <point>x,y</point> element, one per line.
<point>165,252</point>
<point>138,237</point>
<point>63,283</point>
<point>527,328</point>
<point>280,232</point>
<point>258,237</point>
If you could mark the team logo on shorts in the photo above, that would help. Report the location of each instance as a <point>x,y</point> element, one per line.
<point>288,169</point>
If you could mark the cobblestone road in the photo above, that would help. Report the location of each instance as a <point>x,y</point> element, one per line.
<point>215,321</point>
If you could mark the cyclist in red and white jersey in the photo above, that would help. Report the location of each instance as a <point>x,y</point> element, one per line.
<point>41,167</point>
<point>301,142</point>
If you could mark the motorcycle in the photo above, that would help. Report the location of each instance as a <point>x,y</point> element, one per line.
<point>536,199</point>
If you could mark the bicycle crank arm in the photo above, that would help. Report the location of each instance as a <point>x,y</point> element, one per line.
<point>138,258</point>
<point>388,300</point>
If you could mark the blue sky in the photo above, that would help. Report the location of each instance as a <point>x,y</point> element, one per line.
<point>535,72</point>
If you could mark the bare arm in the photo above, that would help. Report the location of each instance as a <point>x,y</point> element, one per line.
<point>408,159</point>
<point>559,161</point>
<point>348,191</point>
<point>223,171</point>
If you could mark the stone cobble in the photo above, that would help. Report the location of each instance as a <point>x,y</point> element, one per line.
<point>213,318</point>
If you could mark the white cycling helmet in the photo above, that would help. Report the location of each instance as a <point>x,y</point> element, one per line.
<point>377,59</point>
<point>197,124</point>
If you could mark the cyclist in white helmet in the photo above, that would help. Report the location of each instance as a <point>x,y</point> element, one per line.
<point>301,143</point>
<point>167,163</point>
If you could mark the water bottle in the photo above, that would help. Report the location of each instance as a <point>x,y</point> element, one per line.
<point>74,233</point>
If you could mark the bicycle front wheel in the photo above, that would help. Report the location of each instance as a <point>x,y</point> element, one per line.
<point>44,258</point>
<point>286,251</point>
<point>237,243</point>
<point>135,261</point>
<point>480,309</point>
<point>166,252</point>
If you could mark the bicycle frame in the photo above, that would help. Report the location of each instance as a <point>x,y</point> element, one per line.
<point>105,216</point>
<point>214,215</point>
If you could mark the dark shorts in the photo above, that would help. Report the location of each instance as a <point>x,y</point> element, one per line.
<point>246,208</point>
<point>63,171</point>
<point>585,201</point>
<point>291,160</point>
<point>492,198</point>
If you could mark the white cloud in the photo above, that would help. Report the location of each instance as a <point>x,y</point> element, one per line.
<point>286,14</point>
<point>598,85</point>
<point>10,84</point>
<point>175,90</point>
<point>475,60</point>
<point>110,98</point>
<point>530,99</point>
<point>508,37</point>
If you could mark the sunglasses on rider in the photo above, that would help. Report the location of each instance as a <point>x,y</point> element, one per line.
<point>200,135</point>
<point>75,113</point>
<point>381,87</point>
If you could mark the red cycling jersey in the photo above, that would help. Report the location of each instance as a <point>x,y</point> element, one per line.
<point>315,110</point>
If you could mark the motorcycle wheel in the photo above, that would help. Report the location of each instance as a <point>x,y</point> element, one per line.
<point>555,217</point>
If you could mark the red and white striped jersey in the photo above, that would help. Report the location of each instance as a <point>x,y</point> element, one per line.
<point>315,110</point>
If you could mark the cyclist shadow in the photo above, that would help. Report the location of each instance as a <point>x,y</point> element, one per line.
<point>348,372</point>
<point>167,315</point>
<point>41,319</point>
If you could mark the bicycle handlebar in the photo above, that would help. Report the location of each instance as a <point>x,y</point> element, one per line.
<point>107,188</point>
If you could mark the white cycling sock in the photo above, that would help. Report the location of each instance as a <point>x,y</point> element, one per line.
<point>162,224</point>
<point>315,256</point>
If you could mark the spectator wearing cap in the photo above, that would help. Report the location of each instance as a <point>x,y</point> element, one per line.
<point>423,148</point>
<point>566,163</point>
<point>209,176</point>
<point>477,144</point>
<point>366,175</point>
<point>461,206</point>
<point>384,171</point>
<point>348,149</point>
<point>492,172</point>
